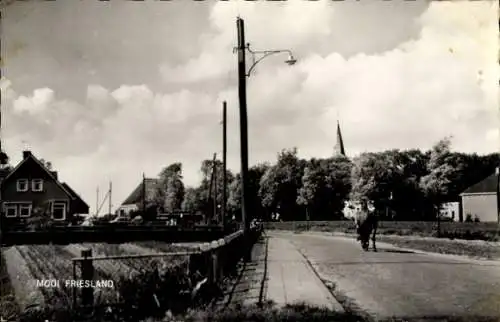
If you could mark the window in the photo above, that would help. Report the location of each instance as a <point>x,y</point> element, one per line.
<point>22,185</point>
<point>10,209</point>
<point>25,210</point>
<point>59,210</point>
<point>37,185</point>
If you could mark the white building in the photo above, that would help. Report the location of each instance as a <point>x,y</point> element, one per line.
<point>480,200</point>
<point>450,210</point>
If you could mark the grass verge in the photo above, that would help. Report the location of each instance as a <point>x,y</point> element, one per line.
<point>478,250</point>
<point>269,312</point>
<point>8,304</point>
<point>304,313</point>
<point>448,230</point>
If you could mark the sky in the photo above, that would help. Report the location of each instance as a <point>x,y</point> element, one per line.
<point>109,90</point>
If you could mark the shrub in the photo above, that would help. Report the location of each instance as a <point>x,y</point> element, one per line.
<point>268,312</point>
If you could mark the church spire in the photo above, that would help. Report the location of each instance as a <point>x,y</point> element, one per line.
<point>339,145</point>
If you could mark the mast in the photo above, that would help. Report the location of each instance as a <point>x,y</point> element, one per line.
<point>109,196</point>
<point>97,202</point>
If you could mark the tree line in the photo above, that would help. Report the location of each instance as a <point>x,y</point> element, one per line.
<point>400,184</point>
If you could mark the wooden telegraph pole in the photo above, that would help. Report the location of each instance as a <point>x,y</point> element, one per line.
<point>242,94</point>
<point>224,163</point>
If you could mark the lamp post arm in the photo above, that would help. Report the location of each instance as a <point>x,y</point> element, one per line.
<point>264,53</point>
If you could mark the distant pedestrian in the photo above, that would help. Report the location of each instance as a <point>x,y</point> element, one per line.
<point>366,225</point>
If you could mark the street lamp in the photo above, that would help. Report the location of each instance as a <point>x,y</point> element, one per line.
<point>266,53</point>
<point>243,73</point>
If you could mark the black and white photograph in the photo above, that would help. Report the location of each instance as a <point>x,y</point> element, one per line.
<point>250,161</point>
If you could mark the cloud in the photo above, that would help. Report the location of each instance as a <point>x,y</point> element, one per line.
<point>394,83</point>
<point>84,43</point>
<point>36,103</point>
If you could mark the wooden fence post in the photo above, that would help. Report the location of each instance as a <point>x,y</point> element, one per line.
<point>87,275</point>
<point>221,258</point>
<point>215,266</point>
<point>209,266</point>
<point>214,261</point>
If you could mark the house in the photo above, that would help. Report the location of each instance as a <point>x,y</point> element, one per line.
<point>134,201</point>
<point>77,206</point>
<point>31,187</point>
<point>450,210</point>
<point>480,200</point>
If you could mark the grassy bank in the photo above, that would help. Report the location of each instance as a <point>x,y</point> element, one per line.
<point>265,313</point>
<point>269,312</point>
<point>305,313</point>
<point>448,230</point>
<point>8,304</point>
<point>471,248</point>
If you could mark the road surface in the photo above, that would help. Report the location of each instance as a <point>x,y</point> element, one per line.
<point>394,283</point>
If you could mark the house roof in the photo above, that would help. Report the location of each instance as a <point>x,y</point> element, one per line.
<point>75,196</point>
<point>30,156</point>
<point>487,185</point>
<point>137,195</point>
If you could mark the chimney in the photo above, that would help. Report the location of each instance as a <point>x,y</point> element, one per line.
<point>26,154</point>
<point>54,173</point>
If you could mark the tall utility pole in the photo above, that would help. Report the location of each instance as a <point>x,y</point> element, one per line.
<point>215,192</point>
<point>497,172</point>
<point>210,206</point>
<point>143,195</point>
<point>224,163</point>
<point>242,93</point>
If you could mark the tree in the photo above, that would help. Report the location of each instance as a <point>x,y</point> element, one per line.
<point>170,190</point>
<point>338,185</point>
<point>313,182</point>
<point>280,184</point>
<point>325,187</point>
<point>210,191</point>
<point>470,169</point>
<point>372,175</point>
<point>406,200</point>
<point>255,174</point>
<point>192,200</point>
<point>436,185</point>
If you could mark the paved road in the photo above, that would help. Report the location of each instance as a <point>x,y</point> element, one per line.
<point>392,283</point>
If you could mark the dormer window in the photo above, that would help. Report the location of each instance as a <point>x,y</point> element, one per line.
<point>22,185</point>
<point>37,185</point>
